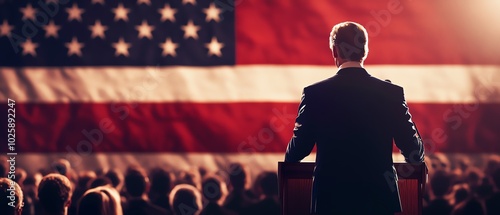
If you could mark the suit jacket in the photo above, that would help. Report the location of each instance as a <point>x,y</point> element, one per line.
<point>353,119</point>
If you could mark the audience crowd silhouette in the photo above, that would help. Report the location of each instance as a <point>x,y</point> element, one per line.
<point>60,190</point>
<point>454,188</point>
<point>462,187</point>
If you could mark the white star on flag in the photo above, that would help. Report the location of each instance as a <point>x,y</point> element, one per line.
<point>147,2</point>
<point>5,29</point>
<point>51,29</point>
<point>29,47</point>
<point>190,30</point>
<point>98,29</point>
<point>121,12</point>
<point>121,47</point>
<point>28,12</point>
<point>74,47</point>
<point>75,13</point>
<point>169,47</point>
<point>193,2</point>
<point>167,13</point>
<point>214,47</point>
<point>145,30</point>
<point>212,12</point>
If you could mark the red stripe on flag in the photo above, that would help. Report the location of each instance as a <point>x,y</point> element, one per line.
<point>462,128</point>
<point>400,31</point>
<point>221,127</point>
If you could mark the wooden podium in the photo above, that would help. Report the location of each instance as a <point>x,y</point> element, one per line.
<point>295,181</point>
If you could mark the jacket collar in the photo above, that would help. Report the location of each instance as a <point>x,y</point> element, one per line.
<point>352,68</point>
<point>350,64</point>
<point>353,71</point>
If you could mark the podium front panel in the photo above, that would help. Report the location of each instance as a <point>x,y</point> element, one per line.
<point>408,192</point>
<point>295,182</point>
<point>298,202</point>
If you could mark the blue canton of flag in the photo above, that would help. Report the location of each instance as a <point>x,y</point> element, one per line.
<point>100,33</point>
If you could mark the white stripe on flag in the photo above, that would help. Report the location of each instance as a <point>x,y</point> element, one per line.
<point>250,83</point>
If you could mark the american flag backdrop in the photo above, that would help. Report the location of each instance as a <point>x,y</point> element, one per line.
<point>182,82</point>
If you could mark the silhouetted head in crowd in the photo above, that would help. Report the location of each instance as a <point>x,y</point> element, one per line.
<point>85,178</point>
<point>474,177</point>
<point>469,207</point>
<point>54,194</point>
<point>99,181</point>
<point>185,199</point>
<point>191,177</point>
<point>46,171</point>
<point>20,176</point>
<point>214,189</point>
<point>492,164</point>
<point>461,192</point>
<point>203,171</point>
<point>485,189</point>
<point>463,163</point>
<point>116,178</point>
<point>268,183</point>
<point>238,176</point>
<point>101,171</point>
<point>62,166</point>
<point>161,181</point>
<point>35,179</point>
<point>440,183</point>
<point>495,177</point>
<point>11,197</point>
<point>103,200</point>
<point>136,182</point>
<point>4,166</point>
<point>439,162</point>
<point>30,185</point>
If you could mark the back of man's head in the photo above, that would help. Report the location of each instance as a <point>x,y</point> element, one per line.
<point>161,181</point>
<point>268,182</point>
<point>238,176</point>
<point>11,197</point>
<point>351,41</point>
<point>185,199</point>
<point>136,181</point>
<point>4,166</point>
<point>214,189</point>
<point>440,183</point>
<point>54,193</point>
<point>495,176</point>
<point>62,166</point>
<point>84,179</point>
<point>470,206</point>
<point>115,176</point>
<point>103,200</point>
<point>99,181</point>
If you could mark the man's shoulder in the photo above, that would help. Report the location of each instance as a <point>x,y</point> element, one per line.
<point>318,84</point>
<point>371,81</point>
<point>387,84</point>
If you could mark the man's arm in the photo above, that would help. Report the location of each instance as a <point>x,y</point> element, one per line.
<point>406,135</point>
<point>302,141</point>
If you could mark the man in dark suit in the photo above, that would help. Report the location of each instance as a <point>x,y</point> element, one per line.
<point>353,119</point>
